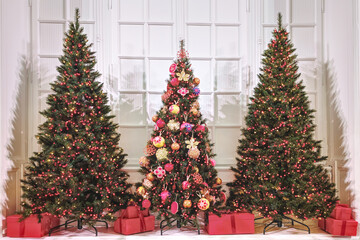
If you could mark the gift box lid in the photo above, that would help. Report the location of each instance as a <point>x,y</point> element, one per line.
<point>351,223</point>
<point>13,218</point>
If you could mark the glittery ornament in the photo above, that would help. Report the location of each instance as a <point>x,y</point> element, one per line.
<point>175,146</point>
<point>185,185</point>
<point>162,154</point>
<point>175,82</point>
<point>196,91</point>
<point>194,111</point>
<point>203,204</point>
<point>158,141</point>
<point>144,162</point>
<point>159,172</point>
<point>141,190</point>
<point>197,178</point>
<point>146,203</point>
<point>187,203</point>
<point>174,207</point>
<point>218,181</point>
<point>150,150</point>
<point>196,81</point>
<point>169,167</point>
<point>173,125</point>
<point>200,128</point>
<point>186,126</point>
<point>172,68</point>
<point>191,143</point>
<point>195,104</point>
<point>155,118</point>
<point>194,152</point>
<point>147,183</point>
<point>183,91</point>
<point>174,109</point>
<point>160,123</point>
<point>150,176</point>
<point>164,195</point>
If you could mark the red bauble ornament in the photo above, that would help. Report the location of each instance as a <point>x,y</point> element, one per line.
<point>185,185</point>
<point>160,123</point>
<point>223,196</point>
<point>169,167</point>
<point>174,207</point>
<point>200,128</point>
<point>146,203</point>
<point>175,82</point>
<point>164,195</point>
<point>175,146</point>
<point>197,178</point>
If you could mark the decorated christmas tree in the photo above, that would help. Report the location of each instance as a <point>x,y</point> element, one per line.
<point>78,172</point>
<point>278,171</point>
<point>180,178</point>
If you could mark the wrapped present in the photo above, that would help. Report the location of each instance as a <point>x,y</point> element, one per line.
<point>230,223</point>
<point>341,227</point>
<point>341,212</point>
<point>34,228</point>
<point>15,228</point>
<point>54,221</point>
<point>142,222</point>
<point>322,223</point>
<point>244,223</point>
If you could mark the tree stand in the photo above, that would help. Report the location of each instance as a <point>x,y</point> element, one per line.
<point>79,225</point>
<point>279,223</point>
<point>164,224</point>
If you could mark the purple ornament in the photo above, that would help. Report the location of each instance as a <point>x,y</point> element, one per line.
<point>186,126</point>
<point>196,91</point>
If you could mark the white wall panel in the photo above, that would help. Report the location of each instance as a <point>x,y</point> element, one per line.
<point>131,10</point>
<point>271,10</point>
<point>207,107</point>
<point>155,104</point>
<point>227,11</point>
<point>199,40</point>
<point>225,146</point>
<point>303,11</point>
<point>51,10</point>
<point>203,71</point>
<point>132,74</point>
<point>227,41</point>
<point>193,13</point>
<point>86,9</point>
<point>159,73</point>
<point>51,36</point>
<point>227,76</point>
<point>131,137</point>
<point>160,40</point>
<point>304,41</point>
<point>228,111</point>
<point>308,70</point>
<point>131,40</point>
<point>130,109</point>
<point>48,72</point>
<point>160,10</point>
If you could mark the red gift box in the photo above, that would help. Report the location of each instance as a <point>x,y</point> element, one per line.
<point>142,222</point>
<point>34,228</point>
<point>341,227</point>
<point>244,223</point>
<point>322,224</point>
<point>14,227</point>
<point>219,225</point>
<point>230,223</point>
<point>341,212</point>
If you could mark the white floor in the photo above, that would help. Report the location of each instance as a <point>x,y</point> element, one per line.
<point>283,233</point>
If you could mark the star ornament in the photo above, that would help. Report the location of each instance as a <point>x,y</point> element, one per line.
<point>183,76</point>
<point>191,143</point>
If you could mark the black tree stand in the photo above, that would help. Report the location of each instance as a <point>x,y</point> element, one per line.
<point>165,223</point>
<point>279,223</point>
<point>79,225</point>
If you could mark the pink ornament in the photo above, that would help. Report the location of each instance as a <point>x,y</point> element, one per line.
<point>206,185</point>
<point>164,195</point>
<point>169,167</point>
<point>223,196</point>
<point>160,123</point>
<point>175,82</point>
<point>200,128</point>
<point>174,207</point>
<point>146,203</point>
<point>185,185</point>
<point>186,126</point>
<point>159,172</point>
<point>156,128</point>
<point>212,161</point>
<point>172,68</point>
<point>183,91</point>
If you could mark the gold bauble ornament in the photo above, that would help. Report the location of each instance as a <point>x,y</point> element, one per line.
<point>196,81</point>
<point>187,203</point>
<point>155,118</point>
<point>175,146</point>
<point>203,204</point>
<point>218,181</point>
<point>162,154</point>
<point>195,104</point>
<point>141,190</point>
<point>196,169</point>
<point>144,162</point>
<point>194,152</point>
<point>150,176</point>
<point>194,111</point>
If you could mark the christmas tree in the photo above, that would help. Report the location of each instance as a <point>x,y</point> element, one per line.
<point>277,171</point>
<point>181,180</point>
<point>78,172</point>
